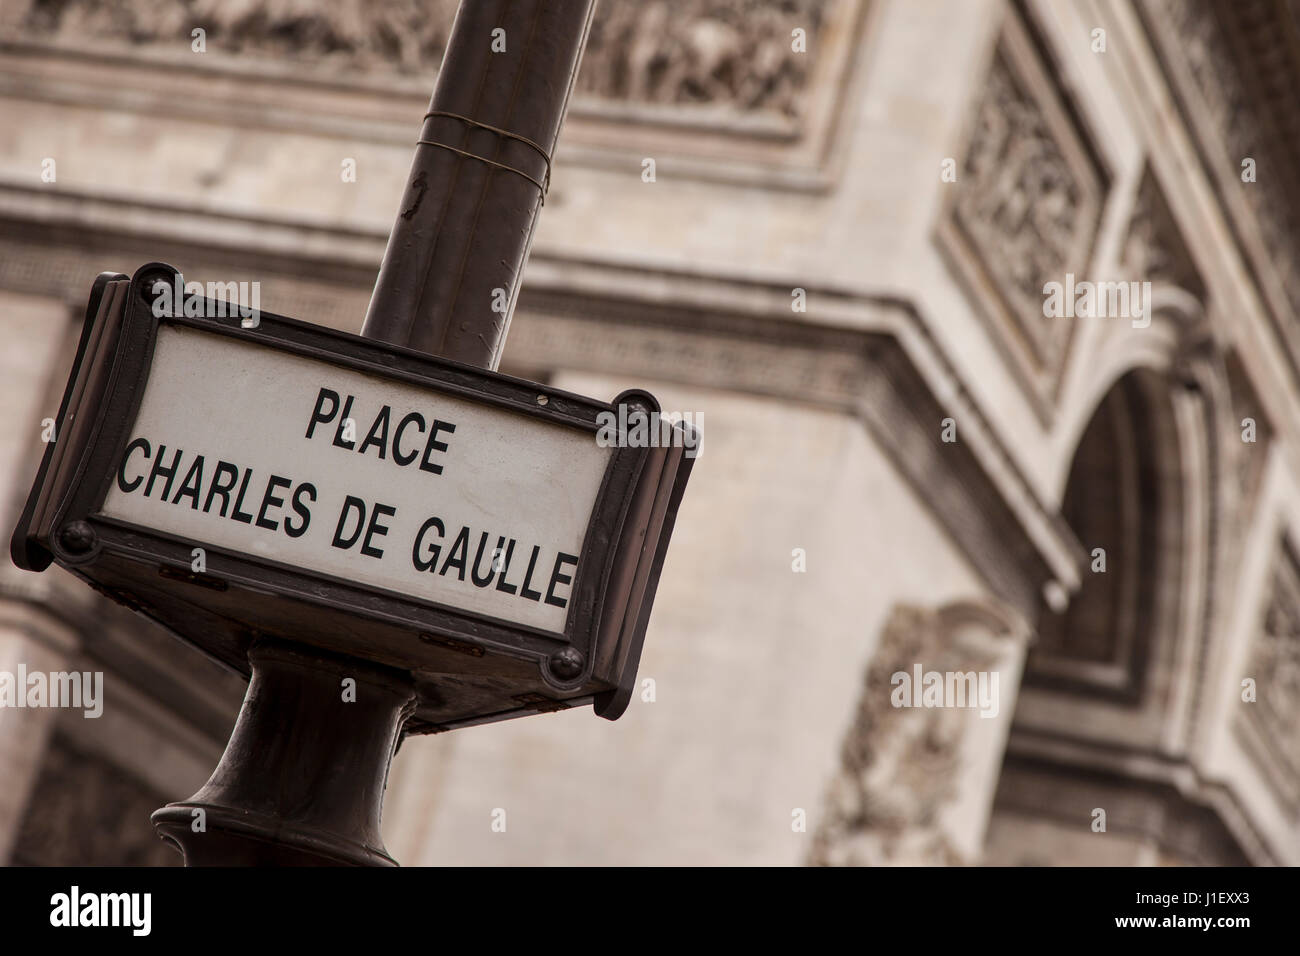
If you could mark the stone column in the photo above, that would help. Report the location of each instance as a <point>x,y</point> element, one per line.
<point>36,332</point>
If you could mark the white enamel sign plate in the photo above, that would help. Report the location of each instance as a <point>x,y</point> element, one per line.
<point>324,468</point>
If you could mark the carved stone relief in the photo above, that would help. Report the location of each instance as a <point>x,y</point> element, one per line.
<point>362,35</point>
<point>902,766</point>
<point>1154,248</point>
<point>1246,79</point>
<point>733,53</point>
<point>1025,208</point>
<point>1269,722</point>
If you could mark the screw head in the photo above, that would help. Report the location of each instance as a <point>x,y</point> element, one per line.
<point>147,284</point>
<point>566,663</point>
<point>77,537</point>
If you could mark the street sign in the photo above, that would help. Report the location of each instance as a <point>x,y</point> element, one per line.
<point>499,539</point>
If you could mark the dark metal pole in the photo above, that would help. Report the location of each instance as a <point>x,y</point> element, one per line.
<point>303,776</point>
<point>450,275</point>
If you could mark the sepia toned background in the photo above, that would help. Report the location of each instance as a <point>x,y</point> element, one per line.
<point>830,536</point>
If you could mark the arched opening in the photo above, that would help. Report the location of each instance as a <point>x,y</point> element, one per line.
<point>1105,679</point>
<point>1123,501</point>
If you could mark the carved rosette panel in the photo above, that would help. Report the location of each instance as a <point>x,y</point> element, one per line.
<point>733,53</point>
<point>900,766</point>
<point>1025,208</point>
<point>1268,724</point>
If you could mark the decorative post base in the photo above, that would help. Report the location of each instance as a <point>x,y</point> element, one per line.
<point>302,780</point>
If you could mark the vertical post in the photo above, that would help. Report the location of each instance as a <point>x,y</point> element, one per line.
<point>303,776</point>
<point>451,272</point>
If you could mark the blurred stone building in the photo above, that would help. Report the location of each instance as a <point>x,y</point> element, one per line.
<point>840,262</point>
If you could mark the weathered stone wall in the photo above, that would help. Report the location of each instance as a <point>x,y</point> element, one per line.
<point>775,172</point>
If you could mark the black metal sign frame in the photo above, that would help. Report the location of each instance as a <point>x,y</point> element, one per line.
<point>240,596</point>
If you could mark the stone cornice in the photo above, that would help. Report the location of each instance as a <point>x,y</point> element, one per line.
<point>870,355</point>
<point>1170,779</point>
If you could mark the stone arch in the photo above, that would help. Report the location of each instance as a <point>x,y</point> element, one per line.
<point>1124,501</point>
<point>1161,392</point>
<point>1115,678</point>
<point>1177,320</point>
